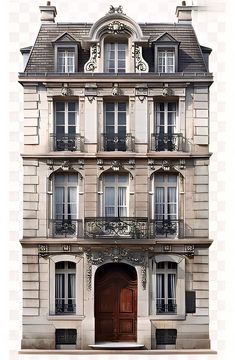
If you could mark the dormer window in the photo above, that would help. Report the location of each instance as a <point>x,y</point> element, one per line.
<point>115,57</point>
<point>166,61</point>
<point>66,60</point>
<point>166,54</point>
<point>66,54</point>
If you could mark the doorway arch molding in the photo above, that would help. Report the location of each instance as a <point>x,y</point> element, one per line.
<point>116,254</point>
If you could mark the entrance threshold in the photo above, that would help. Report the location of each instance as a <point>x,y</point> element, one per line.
<point>116,346</point>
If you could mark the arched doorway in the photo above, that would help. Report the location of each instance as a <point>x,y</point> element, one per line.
<point>115,303</point>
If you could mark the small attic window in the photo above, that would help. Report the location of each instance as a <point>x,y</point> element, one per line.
<point>166,54</point>
<point>66,54</point>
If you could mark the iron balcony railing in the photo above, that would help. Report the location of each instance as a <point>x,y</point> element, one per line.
<point>162,308</point>
<point>126,227</point>
<point>117,142</point>
<point>167,228</point>
<point>65,228</point>
<point>62,308</point>
<point>67,142</point>
<point>170,142</point>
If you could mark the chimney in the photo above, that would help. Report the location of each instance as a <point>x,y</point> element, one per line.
<point>184,13</point>
<point>48,13</point>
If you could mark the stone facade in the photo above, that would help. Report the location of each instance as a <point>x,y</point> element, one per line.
<point>187,245</point>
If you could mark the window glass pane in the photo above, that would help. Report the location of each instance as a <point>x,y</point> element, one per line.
<point>121,106</point>
<point>159,179</point>
<point>59,118</point>
<point>109,106</point>
<point>59,195</point>
<point>109,196</point>
<point>122,210</point>
<point>123,178</point>
<point>109,178</point>
<point>172,265</point>
<point>121,118</point>
<point>72,194</point>
<point>71,265</point>
<point>59,286</point>
<point>121,46</point>
<point>72,178</point>
<point>171,286</point>
<point>71,286</point>
<point>71,106</point>
<point>172,178</point>
<point>59,178</point>
<point>60,106</point>
<point>60,265</point>
<point>160,265</point>
<point>160,286</point>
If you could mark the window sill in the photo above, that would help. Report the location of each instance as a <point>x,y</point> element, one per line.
<point>167,317</point>
<point>65,317</point>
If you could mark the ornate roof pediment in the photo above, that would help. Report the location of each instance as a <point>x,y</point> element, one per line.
<point>165,37</point>
<point>65,37</point>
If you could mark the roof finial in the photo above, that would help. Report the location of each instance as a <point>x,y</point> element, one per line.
<point>48,3</point>
<point>183,3</point>
<point>113,10</point>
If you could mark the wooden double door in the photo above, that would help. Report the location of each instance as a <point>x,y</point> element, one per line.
<point>115,303</point>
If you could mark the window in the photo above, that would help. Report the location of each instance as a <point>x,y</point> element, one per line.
<point>166,287</point>
<point>66,60</point>
<point>65,338</point>
<point>115,126</point>
<point>166,60</point>
<point>115,195</point>
<point>165,126</point>
<point>165,205</point>
<point>115,57</point>
<point>65,126</point>
<point>166,337</point>
<point>65,287</point>
<point>65,205</point>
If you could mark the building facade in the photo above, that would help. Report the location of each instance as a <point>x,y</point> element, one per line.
<point>116,153</point>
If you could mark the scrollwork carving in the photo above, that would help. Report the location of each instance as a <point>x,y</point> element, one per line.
<point>91,65</point>
<point>140,64</point>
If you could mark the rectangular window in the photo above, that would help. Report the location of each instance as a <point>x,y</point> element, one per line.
<point>115,57</point>
<point>166,337</point>
<point>166,61</point>
<point>115,126</point>
<point>66,336</point>
<point>166,288</point>
<point>115,195</point>
<point>66,115</point>
<point>65,287</point>
<point>66,60</point>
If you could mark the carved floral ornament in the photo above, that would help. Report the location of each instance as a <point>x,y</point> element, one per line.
<point>167,165</point>
<point>116,255</point>
<point>116,27</point>
<point>140,64</point>
<point>91,65</point>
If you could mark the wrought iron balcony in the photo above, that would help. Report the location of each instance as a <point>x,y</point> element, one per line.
<point>161,308</point>
<point>62,308</point>
<point>65,228</point>
<point>167,228</point>
<point>67,142</point>
<point>125,227</point>
<point>117,142</point>
<point>170,142</point>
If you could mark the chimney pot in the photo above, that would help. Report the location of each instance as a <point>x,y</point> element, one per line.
<point>183,3</point>
<point>48,3</point>
<point>184,13</point>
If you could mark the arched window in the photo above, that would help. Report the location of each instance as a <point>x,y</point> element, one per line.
<point>65,287</point>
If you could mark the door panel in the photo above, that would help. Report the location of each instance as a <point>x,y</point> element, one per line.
<point>115,305</point>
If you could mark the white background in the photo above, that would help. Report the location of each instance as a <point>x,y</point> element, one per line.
<point>20,21</point>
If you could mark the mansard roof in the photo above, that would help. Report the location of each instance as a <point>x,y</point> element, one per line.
<point>42,55</point>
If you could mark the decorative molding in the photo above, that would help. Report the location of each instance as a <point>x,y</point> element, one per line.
<point>132,163</point>
<point>140,64</point>
<point>100,163</point>
<point>116,165</point>
<point>166,248</point>
<point>189,249</point>
<point>116,27</point>
<point>151,164</point>
<point>66,91</point>
<point>116,91</point>
<point>43,250</point>
<point>166,165</point>
<point>66,247</point>
<point>117,10</point>
<point>167,91</point>
<point>81,164</point>
<point>91,64</point>
<point>66,166</point>
<point>116,254</point>
<point>182,164</point>
<point>141,92</point>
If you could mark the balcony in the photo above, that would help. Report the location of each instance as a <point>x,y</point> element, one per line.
<point>162,308</point>
<point>65,228</point>
<point>167,228</point>
<point>116,142</point>
<point>67,142</point>
<point>125,227</point>
<point>62,308</point>
<point>170,142</point>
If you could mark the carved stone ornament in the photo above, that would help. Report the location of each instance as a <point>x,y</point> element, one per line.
<point>166,248</point>
<point>118,10</point>
<point>189,248</point>
<point>66,247</point>
<point>167,91</point>
<point>116,27</point>
<point>116,254</point>
<point>116,165</point>
<point>100,163</point>
<point>65,91</point>
<point>116,91</point>
<point>65,166</point>
<point>43,250</point>
<point>166,165</point>
<point>91,65</point>
<point>140,64</point>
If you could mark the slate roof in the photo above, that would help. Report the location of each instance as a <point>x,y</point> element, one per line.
<point>42,55</point>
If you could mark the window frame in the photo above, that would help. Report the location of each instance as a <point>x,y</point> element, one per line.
<point>180,287</point>
<point>166,47</point>
<point>66,116</point>
<point>79,280</point>
<point>165,271</point>
<point>116,183</point>
<point>116,58</point>
<point>66,46</point>
<point>66,271</point>
<point>166,113</point>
